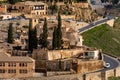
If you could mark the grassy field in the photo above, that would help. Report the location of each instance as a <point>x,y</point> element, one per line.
<point>114,78</point>
<point>117,23</point>
<point>105,38</point>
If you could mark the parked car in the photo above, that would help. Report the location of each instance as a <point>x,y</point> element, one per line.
<point>107,65</point>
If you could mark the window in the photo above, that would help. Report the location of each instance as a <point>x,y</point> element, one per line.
<point>14,7</point>
<point>37,13</point>
<point>23,64</point>
<point>35,20</point>
<point>2,64</point>
<point>11,71</point>
<point>22,7</point>
<point>36,7</point>
<point>12,64</point>
<point>23,71</point>
<point>19,7</point>
<point>2,70</point>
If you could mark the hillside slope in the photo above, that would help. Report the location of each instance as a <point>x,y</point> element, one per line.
<point>103,37</point>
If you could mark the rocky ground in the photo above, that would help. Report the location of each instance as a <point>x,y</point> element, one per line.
<point>85,14</point>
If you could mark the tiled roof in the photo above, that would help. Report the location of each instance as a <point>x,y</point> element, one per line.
<point>7,58</point>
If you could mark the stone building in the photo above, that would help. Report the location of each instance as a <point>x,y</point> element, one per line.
<point>30,7</point>
<point>70,59</point>
<point>16,67</point>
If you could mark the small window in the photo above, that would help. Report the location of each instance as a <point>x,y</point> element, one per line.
<point>2,64</point>
<point>11,71</point>
<point>35,20</point>
<point>23,64</point>
<point>12,64</point>
<point>22,71</point>
<point>19,7</point>
<point>37,13</point>
<point>2,70</point>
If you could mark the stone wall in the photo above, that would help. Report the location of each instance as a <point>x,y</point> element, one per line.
<point>55,54</point>
<point>60,54</point>
<point>89,66</point>
<point>90,76</point>
<point>117,72</point>
<point>94,76</point>
<point>103,75</point>
<point>57,65</point>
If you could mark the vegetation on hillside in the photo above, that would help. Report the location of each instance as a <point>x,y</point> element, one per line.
<point>117,23</point>
<point>14,1</point>
<point>113,1</point>
<point>114,78</point>
<point>103,37</point>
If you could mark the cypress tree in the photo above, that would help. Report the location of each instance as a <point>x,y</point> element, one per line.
<point>44,35</point>
<point>14,1</point>
<point>35,40</point>
<point>30,37</point>
<point>10,34</point>
<point>54,41</point>
<point>59,33</point>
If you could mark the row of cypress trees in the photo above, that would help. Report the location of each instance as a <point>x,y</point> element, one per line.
<point>32,36</point>
<point>57,35</point>
<point>43,41</point>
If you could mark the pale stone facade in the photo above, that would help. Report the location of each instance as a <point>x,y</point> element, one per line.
<point>56,54</point>
<point>16,67</point>
<point>30,7</point>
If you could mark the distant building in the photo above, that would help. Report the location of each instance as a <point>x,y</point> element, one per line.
<point>16,67</point>
<point>79,59</point>
<point>30,7</point>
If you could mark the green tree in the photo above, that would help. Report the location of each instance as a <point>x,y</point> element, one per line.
<point>59,33</point>
<point>10,34</point>
<point>30,37</point>
<point>14,1</point>
<point>54,8</point>
<point>115,1</point>
<point>35,39</point>
<point>44,35</point>
<point>54,40</point>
